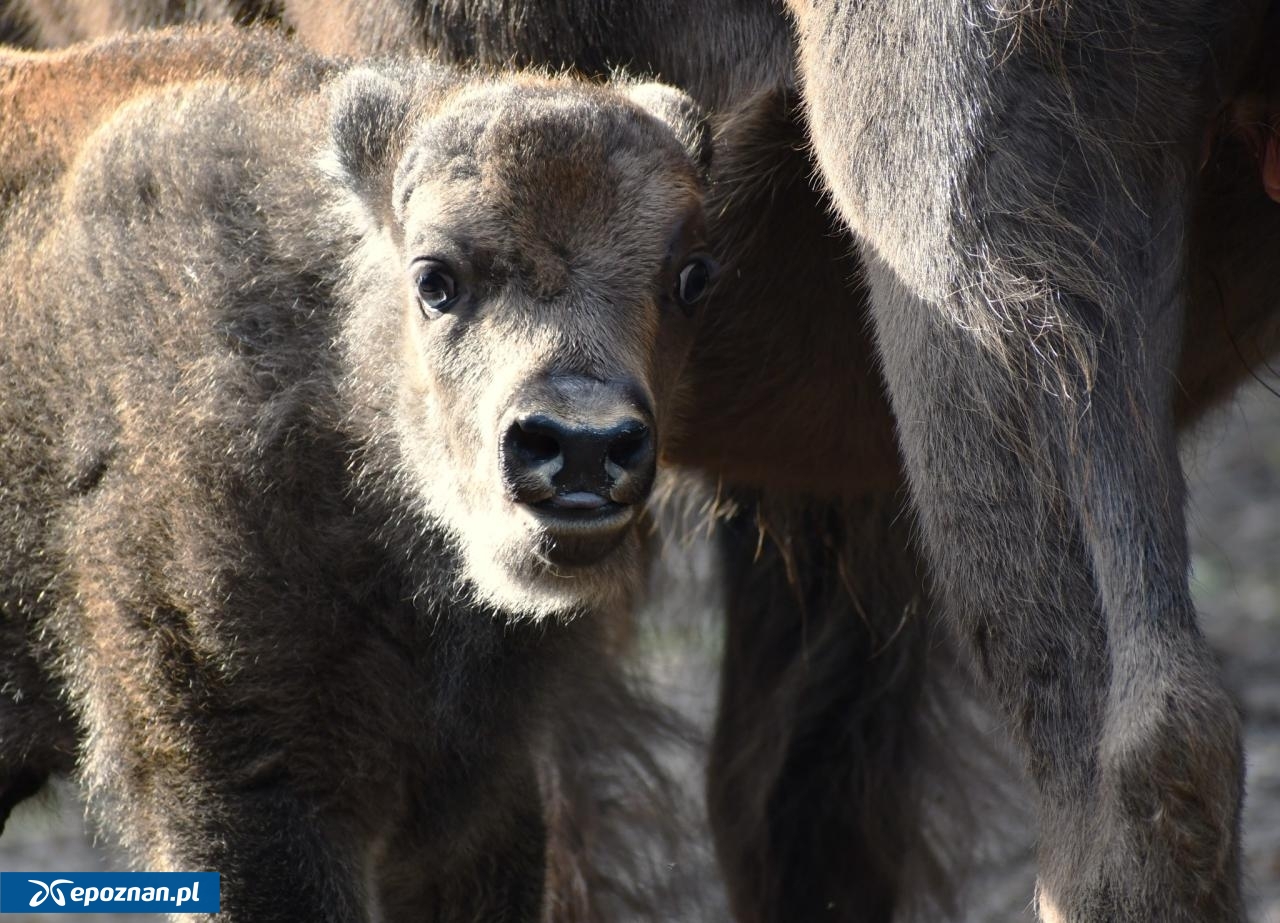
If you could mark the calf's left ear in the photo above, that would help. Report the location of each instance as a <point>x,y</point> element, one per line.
<point>684,116</point>
<point>368,119</point>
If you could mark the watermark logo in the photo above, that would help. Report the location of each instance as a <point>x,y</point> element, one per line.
<point>47,891</point>
<point>110,892</point>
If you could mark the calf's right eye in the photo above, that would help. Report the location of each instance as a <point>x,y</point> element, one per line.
<point>435,287</point>
<point>694,280</point>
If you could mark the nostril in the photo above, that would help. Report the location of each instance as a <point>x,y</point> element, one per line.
<point>629,447</point>
<point>533,441</point>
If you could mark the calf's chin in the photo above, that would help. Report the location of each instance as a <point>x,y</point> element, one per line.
<point>518,576</point>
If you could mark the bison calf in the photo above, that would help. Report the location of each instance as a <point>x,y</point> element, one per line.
<point>332,396</point>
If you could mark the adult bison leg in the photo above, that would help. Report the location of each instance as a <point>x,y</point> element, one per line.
<point>828,722</point>
<point>1018,176</point>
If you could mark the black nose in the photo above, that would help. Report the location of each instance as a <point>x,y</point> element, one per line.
<point>578,466</point>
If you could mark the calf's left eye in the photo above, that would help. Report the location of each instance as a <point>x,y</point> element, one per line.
<point>694,280</point>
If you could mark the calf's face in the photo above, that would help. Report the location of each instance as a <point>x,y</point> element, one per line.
<point>531,264</point>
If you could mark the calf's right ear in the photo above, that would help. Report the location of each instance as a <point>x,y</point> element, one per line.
<point>368,119</point>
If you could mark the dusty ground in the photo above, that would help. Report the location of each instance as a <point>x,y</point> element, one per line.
<point>1234,470</point>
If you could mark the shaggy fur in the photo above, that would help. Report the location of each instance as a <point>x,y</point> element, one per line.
<point>1069,255</point>
<point>1029,307</point>
<point>1023,221</point>
<point>58,23</point>
<point>237,595</point>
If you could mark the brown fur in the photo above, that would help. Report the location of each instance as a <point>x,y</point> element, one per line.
<point>1030,310</point>
<point>794,427</point>
<point>753,368</point>
<point>235,586</point>
<point>59,23</point>
<point>791,413</point>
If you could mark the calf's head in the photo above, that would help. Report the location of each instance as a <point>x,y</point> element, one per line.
<point>529,262</point>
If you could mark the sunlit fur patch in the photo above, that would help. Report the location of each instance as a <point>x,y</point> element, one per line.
<point>1048,910</point>
<point>511,575</point>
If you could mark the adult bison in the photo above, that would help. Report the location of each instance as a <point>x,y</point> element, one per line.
<point>1068,252</point>
<point>325,443</point>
